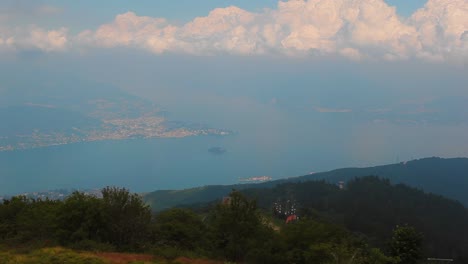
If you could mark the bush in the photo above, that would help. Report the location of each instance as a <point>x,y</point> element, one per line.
<point>179,228</point>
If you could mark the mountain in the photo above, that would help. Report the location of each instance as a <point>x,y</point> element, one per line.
<point>369,206</point>
<point>373,207</point>
<point>448,177</point>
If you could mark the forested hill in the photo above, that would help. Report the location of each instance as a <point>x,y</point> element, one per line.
<point>447,177</point>
<point>373,207</point>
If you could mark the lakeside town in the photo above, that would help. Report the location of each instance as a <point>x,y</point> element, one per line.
<point>59,194</point>
<point>115,129</point>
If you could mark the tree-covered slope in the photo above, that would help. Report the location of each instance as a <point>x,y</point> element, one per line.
<point>373,207</point>
<point>165,199</point>
<point>448,177</point>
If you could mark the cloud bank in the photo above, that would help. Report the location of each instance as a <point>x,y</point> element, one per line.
<point>34,38</point>
<point>356,29</point>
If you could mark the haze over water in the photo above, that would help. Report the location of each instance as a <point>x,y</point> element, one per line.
<point>290,124</point>
<point>307,86</point>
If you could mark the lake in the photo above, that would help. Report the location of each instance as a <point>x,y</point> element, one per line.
<point>269,141</point>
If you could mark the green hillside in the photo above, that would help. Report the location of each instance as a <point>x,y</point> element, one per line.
<point>237,231</point>
<point>373,207</point>
<point>448,177</point>
<point>165,199</point>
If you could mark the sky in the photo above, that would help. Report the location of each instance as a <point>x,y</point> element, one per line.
<point>375,44</point>
<point>356,29</point>
<point>103,11</point>
<point>336,55</point>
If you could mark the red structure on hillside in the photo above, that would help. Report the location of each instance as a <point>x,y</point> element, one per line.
<point>291,218</point>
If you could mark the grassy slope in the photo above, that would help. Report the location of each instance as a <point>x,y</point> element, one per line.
<point>59,255</point>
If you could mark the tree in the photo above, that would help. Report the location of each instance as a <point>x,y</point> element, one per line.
<point>9,212</point>
<point>406,244</point>
<point>237,227</point>
<point>81,218</point>
<point>128,218</point>
<point>38,221</point>
<point>23,219</point>
<point>179,228</point>
<point>310,241</point>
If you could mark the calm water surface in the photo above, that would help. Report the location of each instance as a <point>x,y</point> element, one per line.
<point>266,143</point>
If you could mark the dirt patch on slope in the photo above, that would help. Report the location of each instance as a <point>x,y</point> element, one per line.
<point>124,258</point>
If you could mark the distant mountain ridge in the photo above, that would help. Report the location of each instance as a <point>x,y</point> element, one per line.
<point>447,177</point>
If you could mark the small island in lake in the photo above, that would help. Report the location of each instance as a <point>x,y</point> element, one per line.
<point>217,150</point>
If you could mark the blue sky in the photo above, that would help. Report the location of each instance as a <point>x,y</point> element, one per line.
<point>88,14</point>
<point>187,9</point>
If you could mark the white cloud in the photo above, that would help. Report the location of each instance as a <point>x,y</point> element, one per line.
<point>356,29</point>
<point>443,28</point>
<point>223,30</point>
<point>16,36</point>
<point>52,40</point>
<point>34,38</point>
<point>128,30</point>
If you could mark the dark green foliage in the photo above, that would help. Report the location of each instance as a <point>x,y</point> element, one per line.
<point>446,177</point>
<point>23,219</point>
<point>179,228</point>
<point>165,199</point>
<point>335,226</point>
<point>236,226</point>
<point>376,256</point>
<point>10,211</point>
<point>81,218</point>
<point>120,219</point>
<point>269,249</point>
<point>38,221</point>
<point>128,218</point>
<point>406,245</point>
<point>311,241</point>
<point>373,207</point>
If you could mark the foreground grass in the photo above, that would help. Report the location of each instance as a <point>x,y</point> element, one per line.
<point>58,255</point>
<point>49,256</point>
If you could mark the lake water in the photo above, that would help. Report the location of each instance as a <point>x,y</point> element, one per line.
<point>268,142</point>
<point>292,117</point>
